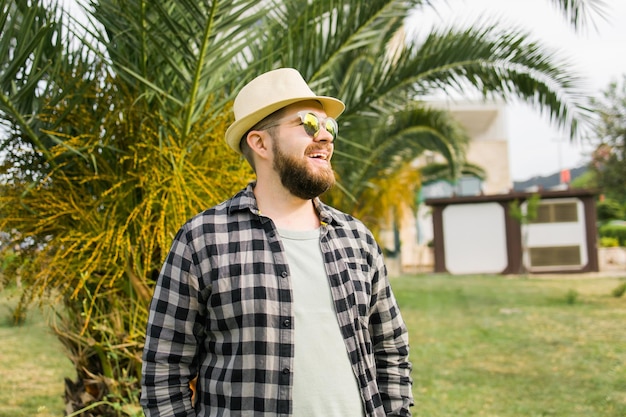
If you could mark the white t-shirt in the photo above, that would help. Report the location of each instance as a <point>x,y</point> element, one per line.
<point>324,382</point>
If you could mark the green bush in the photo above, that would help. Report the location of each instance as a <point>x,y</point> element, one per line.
<point>608,242</point>
<point>609,210</point>
<point>619,290</point>
<point>571,297</point>
<point>616,231</point>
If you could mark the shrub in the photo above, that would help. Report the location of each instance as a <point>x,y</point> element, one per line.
<point>619,290</point>
<point>571,297</point>
<point>616,231</point>
<point>608,242</point>
<point>609,210</point>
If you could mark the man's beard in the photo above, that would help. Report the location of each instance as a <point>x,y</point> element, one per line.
<point>297,177</point>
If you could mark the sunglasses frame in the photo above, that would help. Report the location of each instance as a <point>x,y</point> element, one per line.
<point>322,122</point>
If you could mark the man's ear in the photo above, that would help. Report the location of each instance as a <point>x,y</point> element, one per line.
<point>258,142</point>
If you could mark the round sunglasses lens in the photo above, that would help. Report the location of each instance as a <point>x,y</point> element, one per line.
<point>331,127</point>
<point>311,124</point>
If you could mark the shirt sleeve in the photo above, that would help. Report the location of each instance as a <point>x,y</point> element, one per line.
<point>169,356</point>
<point>391,346</point>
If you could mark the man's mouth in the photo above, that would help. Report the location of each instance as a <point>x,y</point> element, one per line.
<point>319,155</point>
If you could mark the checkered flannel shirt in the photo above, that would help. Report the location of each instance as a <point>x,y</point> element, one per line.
<point>223,310</point>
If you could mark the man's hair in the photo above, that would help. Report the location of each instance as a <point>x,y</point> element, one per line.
<point>267,121</point>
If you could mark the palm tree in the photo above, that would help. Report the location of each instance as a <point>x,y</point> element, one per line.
<point>360,53</point>
<point>108,159</point>
<point>113,133</point>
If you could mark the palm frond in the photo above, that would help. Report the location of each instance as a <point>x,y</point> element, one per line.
<point>497,63</point>
<point>394,141</point>
<point>581,13</point>
<point>178,53</point>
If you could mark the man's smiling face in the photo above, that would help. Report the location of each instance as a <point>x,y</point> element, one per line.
<point>301,161</point>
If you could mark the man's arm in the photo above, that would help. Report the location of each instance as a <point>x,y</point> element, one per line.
<point>169,356</point>
<point>391,348</point>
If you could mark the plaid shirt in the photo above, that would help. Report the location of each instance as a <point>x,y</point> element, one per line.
<point>223,310</point>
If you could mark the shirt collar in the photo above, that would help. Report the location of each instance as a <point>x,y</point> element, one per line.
<point>245,200</point>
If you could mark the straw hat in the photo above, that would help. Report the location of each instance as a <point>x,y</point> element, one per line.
<point>269,92</point>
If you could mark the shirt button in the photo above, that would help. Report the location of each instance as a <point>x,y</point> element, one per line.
<point>286,371</point>
<point>286,322</point>
<point>284,274</point>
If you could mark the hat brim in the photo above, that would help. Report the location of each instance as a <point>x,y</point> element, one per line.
<point>332,106</point>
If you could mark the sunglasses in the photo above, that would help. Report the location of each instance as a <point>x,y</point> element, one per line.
<point>313,124</point>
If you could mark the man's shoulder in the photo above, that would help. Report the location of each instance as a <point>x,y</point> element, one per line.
<point>346,220</point>
<point>339,215</point>
<point>219,214</point>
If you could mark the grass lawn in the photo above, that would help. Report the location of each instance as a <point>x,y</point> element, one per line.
<point>32,364</point>
<point>508,347</point>
<point>487,346</point>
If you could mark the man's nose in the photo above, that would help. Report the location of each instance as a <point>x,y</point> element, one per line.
<point>323,135</point>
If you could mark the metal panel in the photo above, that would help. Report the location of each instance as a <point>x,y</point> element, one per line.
<point>553,212</point>
<point>555,256</point>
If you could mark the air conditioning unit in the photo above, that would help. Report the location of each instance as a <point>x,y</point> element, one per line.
<point>556,239</point>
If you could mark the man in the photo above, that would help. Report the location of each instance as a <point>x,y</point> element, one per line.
<point>277,303</point>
